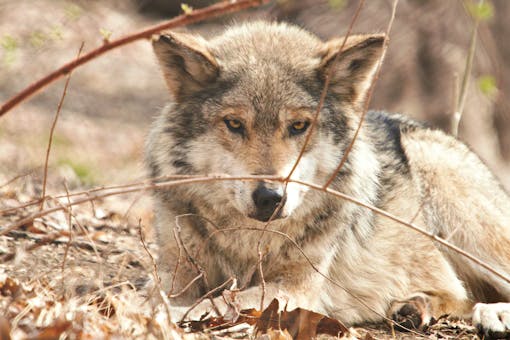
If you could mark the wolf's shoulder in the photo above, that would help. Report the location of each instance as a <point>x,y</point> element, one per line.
<point>385,131</point>
<point>392,123</point>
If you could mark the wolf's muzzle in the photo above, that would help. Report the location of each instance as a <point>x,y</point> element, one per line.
<point>268,202</point>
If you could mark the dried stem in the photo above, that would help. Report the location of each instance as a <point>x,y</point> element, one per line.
<point>52,131</point>
<point>153,261</point>
<point>191,259</point>
<point>205,179</point>
<point>68,209</point>
<point>367,99</point>
<point>212,11</point>
<point>467,75</point>
<point>68,245</point>
<point>89,191</point>
<point>207,295</point>
<point>455,121</point>
<point>261,273</point>
<point>15,178</point>
<point>183,290</point>
<point>306,142</point>
<point>325,90</point>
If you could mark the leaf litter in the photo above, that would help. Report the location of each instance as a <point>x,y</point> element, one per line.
<point>82,274</point>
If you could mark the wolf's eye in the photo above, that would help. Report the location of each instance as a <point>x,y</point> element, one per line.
<point>298,127</point>
<point>234,125</point>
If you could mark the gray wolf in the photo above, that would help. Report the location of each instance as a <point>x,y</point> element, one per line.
<point>242,104</point>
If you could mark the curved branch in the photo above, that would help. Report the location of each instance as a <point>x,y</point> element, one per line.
<point>215,10</point>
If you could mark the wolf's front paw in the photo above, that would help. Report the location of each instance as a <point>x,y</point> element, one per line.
<point>413,313</point>
<point>493,319</point>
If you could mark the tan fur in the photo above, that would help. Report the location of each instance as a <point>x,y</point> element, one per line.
<point>267,78</point>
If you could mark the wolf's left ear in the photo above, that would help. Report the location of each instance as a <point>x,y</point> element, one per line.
<point>353,67</point>
<point>187,64</point>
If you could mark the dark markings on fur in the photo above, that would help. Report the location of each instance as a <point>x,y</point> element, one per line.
<point>367,218</point>
<point>315,229</point>
<point>356,64</point>
<point>155,170</point>
<point>182,165</point>
<point>197,223</point>
<point>334,120</point>
<point>385,132</point>
<point>189,122</point>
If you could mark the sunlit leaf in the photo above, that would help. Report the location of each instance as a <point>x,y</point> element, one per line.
<point>72,11</point>
<point>9,43</point>
<point>105,33</point>
<point>10,47</point>
<point>487,85</point>
<point>56,33</point>
<point>187,9</point>
<point>37,39</point>
<point>337,4</point>
<point>481,11</point>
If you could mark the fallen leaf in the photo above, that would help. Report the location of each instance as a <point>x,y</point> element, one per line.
<point>9,287</point>
<point>52,332</point>
<point>300,323</point>
<point>5,329</point>
<point>297,324</point>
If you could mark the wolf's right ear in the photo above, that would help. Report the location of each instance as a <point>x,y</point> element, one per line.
<point>352,67</point>
<point>187,64</point>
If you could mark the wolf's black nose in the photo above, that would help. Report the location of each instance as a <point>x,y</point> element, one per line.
<point>266,202</point>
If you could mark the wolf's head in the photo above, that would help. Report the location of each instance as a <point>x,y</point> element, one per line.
<point>244,102</point>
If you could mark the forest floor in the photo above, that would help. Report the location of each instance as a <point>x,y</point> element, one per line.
<point>83,273</point>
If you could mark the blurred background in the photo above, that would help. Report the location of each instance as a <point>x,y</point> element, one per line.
<point>112,100</point>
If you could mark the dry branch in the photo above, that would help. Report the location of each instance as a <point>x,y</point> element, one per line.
<point>52,131</point>
<point>208,295</point>
<point>367,99</point>
<point>204,179</point>
<point>462,95</point>
<point>215,10</point>
<point>325,90</point>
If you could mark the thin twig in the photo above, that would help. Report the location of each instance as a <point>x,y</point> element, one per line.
<point>261,273</point>
<point>52,130</point>
<point>394,218</point>
<point>28,173</point>
<point>455,121</point>
<point>89,191</point>
<point>325,90</point>
<point>207,295</point>
<point>180,248</point>
<point>68,245</point>
<point>157,279</point>
<point>368,97</point>
<point>212,11</point>
<point>183,290</point>
<point>305,143</point>
<point>128,210</point>
<point>91,197</point>
<point>205,179</point>
<point>153,261</point>
<point>457,115</point>
<point>191,259</point>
